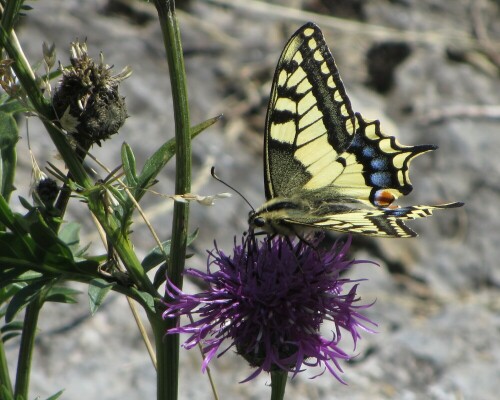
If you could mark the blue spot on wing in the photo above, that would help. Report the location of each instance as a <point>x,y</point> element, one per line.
<point>380,179</point>
<point>368,152</point>
<point>379,163</point>
<point>399,212</point>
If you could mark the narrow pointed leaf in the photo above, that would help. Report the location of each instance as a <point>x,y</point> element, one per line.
<point>98,289</point>
<point>59,294</point>
<point>156,256</point>
<point>159,159</point>
<point>128,162</point>
<point>147,299</point>
<point>56,395</point>
<point>195,130</point>
<point>22,298</point>
<point>9,136</point>
<point>70,235</point>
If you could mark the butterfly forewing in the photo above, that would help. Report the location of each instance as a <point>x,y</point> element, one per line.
<point>309,120</point>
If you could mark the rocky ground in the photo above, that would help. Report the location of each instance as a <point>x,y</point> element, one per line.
<point>428,69</point>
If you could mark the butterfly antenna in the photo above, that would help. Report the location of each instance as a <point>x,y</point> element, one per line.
<point>212,171</point>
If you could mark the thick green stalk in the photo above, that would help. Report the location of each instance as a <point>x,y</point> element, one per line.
<point>173,47</point>
<point>168,347</point>
<point>278,384</point>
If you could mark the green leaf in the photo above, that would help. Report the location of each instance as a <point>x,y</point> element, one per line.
<point>8,219</point>
<point>147,299</point>
<point>160,275</point>
<point>29,276</point>
<point>89,266</point>
<point>82,251</point>
<point>55,396</point>
<point>54,253</point>
<point>159,159</point>
<point>8,336</point>
<point>43,236</point>
<point>195,130</point>
<point>8,105</point>
<point>16,251</point>
<point>25,203</point>
<point>70,234</point>
<point>9,136</point>
<point>60,294</point>
<point>7,292</point>
<point>153,166</point>
<point>22,298</point>
<point>11,330</point>
<point>128,162</point>
<point>98,289</point>
<point>156,256</point>
<point>12,326</point>
<point>13,276</point>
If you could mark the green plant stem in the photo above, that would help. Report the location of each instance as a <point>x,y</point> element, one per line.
<point>26,348</point>
<point>4,370</point>
<point>123,247</point>
<point>278,384</point>
<point>173,47</point>
<point>168,348</point>
<point>165,350</point>
<point>65,193</point>
<point>10,13</point>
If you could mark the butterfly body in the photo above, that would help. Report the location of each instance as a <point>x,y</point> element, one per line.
<point>325,167</point>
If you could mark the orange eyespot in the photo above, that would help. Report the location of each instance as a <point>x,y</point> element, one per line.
<point>383,198</point>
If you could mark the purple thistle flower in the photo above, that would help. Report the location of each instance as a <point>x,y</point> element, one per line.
<point>269,300</point>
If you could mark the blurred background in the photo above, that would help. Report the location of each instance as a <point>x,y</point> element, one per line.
<point>428,69</point>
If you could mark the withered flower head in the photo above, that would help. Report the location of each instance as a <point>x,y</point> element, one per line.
<point>87,102</point>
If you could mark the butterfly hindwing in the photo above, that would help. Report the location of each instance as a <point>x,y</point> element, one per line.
<point>381,222</point>
<point>375,166</point>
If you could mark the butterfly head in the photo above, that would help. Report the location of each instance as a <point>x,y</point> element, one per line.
<point>277,216</point>
<point>256,220</point>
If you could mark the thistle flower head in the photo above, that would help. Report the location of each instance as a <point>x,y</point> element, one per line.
<point>269,300</point>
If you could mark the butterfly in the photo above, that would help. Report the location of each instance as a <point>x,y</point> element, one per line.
<point>326,167</point>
